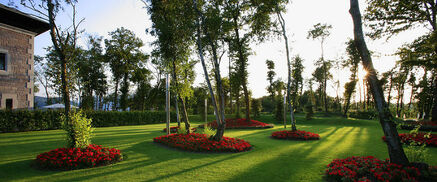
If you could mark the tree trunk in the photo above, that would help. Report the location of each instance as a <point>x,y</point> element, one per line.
<point>220,123</point>
<point>389,89</point>
<point>185,116</point>
<point>434,107</point>
<point>167,104</point>
<point>284,35</point>
<point>114,107</point>
<point>395,150</point>
<point>62,58</point>
<point>177,110</point>
<point>176,84</point>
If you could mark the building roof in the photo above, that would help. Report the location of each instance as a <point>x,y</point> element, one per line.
<point>15,18</point>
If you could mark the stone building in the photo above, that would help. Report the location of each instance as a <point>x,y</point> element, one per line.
<point>17,33</point>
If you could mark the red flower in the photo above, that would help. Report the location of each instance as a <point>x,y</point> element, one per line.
<point>363,168</point>
<point>201,143</point>
<point>295,135</point>
<point>419,138</point>
<point>76,158</point>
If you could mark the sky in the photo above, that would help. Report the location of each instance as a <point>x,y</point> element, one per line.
<point>103,16</point>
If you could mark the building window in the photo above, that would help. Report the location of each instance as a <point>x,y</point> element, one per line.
<point>9,105</point>
<point>3,61</point>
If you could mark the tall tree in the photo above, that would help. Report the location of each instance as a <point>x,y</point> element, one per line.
<point>64,41</point>
<point>256,15</point>
<point>395,150</point>
<point>321,32</point>
<point>42,77</point>
<point>352,62</point>
<point>279,8</point>
<point>171,26</point>
<point>297,83</point>
<point>211,28</point>
<point>270,77</point>
<point>389,17</point>
<point>91,73</point>
<point>124,56</point>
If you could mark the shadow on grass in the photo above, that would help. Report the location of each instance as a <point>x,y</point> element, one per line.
<point>156,155</point>
<point>309,155</point>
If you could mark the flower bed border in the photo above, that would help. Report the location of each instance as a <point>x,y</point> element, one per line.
<point>239,145</point>
<point>357,168</point>
<point>405,139</point>
<point>300,138</point>
<point>65,159</point>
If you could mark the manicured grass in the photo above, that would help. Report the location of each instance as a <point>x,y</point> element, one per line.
<point>269,160</point>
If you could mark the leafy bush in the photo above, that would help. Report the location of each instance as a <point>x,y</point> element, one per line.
<point>208,131</point>
<point>78,129</point>
<point>309,113</point>
<point>256,107</point>
<point>33,120</point>
<point>370,114</point>
<point>78,158</point>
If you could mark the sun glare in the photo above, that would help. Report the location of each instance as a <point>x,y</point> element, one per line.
<point>361,74</point>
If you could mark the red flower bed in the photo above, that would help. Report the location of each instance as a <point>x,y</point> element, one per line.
<point>295,135</point>
<point>175,129</point>
<point>77,158</point>
<point>419,138</point>
<point>369,169</point>
<point>241,123</point>
<point>201,143</point>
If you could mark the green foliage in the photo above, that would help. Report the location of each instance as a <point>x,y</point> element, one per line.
<point>369,114</point>
<point>124,56</point>
<point>279,110</point>
<point>91,72</point>
<point>270,76</point>
<point>417,153</point>
<point>309,113</point>
<point>297,83</point>
<point>182,130</point>
<point>79,130</point>
<point>207,130</point>
<point>27,120</point>
<point>256,107</point>
<point>390,17</point>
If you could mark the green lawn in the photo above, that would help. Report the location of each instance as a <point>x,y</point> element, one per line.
<point>270,159</point>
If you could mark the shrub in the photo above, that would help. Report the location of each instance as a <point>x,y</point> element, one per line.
<point>295,135</point>
<point>78,158</point>
<point>256,107</point>
<point>208,131</point>
<point>370,114</point>
<point>201,143</point>
<point>32,120</point>
<point>309,113</point>
<point>78,129</point>
<point>369,169</point>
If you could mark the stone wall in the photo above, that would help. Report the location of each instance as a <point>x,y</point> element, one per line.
<point>17,81</point>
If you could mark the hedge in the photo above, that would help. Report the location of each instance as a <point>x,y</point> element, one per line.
<point>32,120</point>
